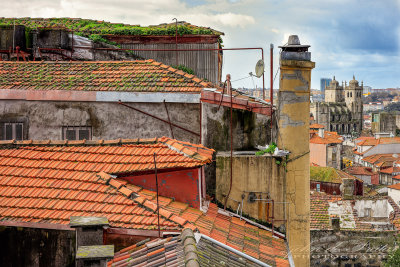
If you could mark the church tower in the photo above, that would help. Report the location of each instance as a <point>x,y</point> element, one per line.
<point>334,92</point>
<point>353,97</point>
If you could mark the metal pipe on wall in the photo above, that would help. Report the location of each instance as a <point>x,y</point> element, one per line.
<point>228,85</point>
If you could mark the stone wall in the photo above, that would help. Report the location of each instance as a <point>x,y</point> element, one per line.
<point>249,129</point>
<point>36,247</point>
<point>358,248</point>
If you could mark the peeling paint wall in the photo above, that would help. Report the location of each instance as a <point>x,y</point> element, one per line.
<point>45,119</point>
<point>259,174</point>
<point>293,121</point>
<point>249,129</point>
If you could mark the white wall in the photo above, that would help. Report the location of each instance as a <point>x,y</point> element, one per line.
<point>395,195</point>
<point>379,208</point>
<point>383,149</point>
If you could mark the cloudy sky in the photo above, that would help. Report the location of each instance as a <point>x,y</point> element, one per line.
<point>360,37</point>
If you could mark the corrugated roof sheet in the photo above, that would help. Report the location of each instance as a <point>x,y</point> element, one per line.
<point>121,76</point>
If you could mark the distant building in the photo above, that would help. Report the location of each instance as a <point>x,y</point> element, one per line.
<point>324,82</point>
<point>343,108</point>
<point>367,90</point>
<point>385,122</point>
<point>325,147</point>
<point>373,106</point>
<point>341,230</point>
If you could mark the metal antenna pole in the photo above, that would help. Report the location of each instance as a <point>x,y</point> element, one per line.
<point>176,40</point>
<point>158,206</point>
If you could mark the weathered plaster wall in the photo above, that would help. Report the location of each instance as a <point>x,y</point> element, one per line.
<point>395,195</point>
<point>249,129</point>
<point>330,248</point>
<point>383,149</point>
<point>108,120</point>
<point>379,208</point>
<point>36,247</point>
<point>318,154</point>
<point>293,121</point>
<point>258,174</point>
<point>365,178</point>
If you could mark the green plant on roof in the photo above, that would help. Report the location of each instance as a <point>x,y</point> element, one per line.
<point>86,27</point>
<point>270,149</point>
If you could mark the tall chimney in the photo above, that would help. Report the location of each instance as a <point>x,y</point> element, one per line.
<point>293,120</point>
<point>321,132</point>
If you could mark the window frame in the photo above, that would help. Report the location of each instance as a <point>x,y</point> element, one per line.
<point>13,130</point>
<point>76,129</point>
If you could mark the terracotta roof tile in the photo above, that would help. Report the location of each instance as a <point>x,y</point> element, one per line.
<point>316,126</point>
<point>46,198</point>
<point>329,138</point>
<point>128,76</point>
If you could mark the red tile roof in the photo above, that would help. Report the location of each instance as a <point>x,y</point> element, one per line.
<point>232,231</point>
<point>126,76</point>
<point>379,158</point>
<point>359,170</point>
<point>329,138</point>
<point>395,186</point>
<point>45,182</point>
<point>49,182</point>
<point>320,217</point>
<point>380,141</point>
<point>316,126</point>
<point>390,170</point>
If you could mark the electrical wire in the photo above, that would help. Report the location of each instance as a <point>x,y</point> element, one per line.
<point>241,79</point>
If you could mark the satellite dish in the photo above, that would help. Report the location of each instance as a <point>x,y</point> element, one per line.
<point>259,68</point>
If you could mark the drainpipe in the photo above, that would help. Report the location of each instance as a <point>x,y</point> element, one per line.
<point>228,84</point>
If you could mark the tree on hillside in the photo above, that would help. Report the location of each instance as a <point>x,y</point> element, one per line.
<point>393,259</point>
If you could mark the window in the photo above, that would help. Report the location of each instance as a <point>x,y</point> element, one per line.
<point>318,187</point>
<point>13,131</point>
<point>77,132</point>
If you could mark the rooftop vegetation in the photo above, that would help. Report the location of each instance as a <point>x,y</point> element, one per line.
<point>94,29</point>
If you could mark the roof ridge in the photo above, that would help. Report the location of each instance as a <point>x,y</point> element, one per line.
<point>175,145</point>
<point>144,202</point>
<point>65,142</point>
